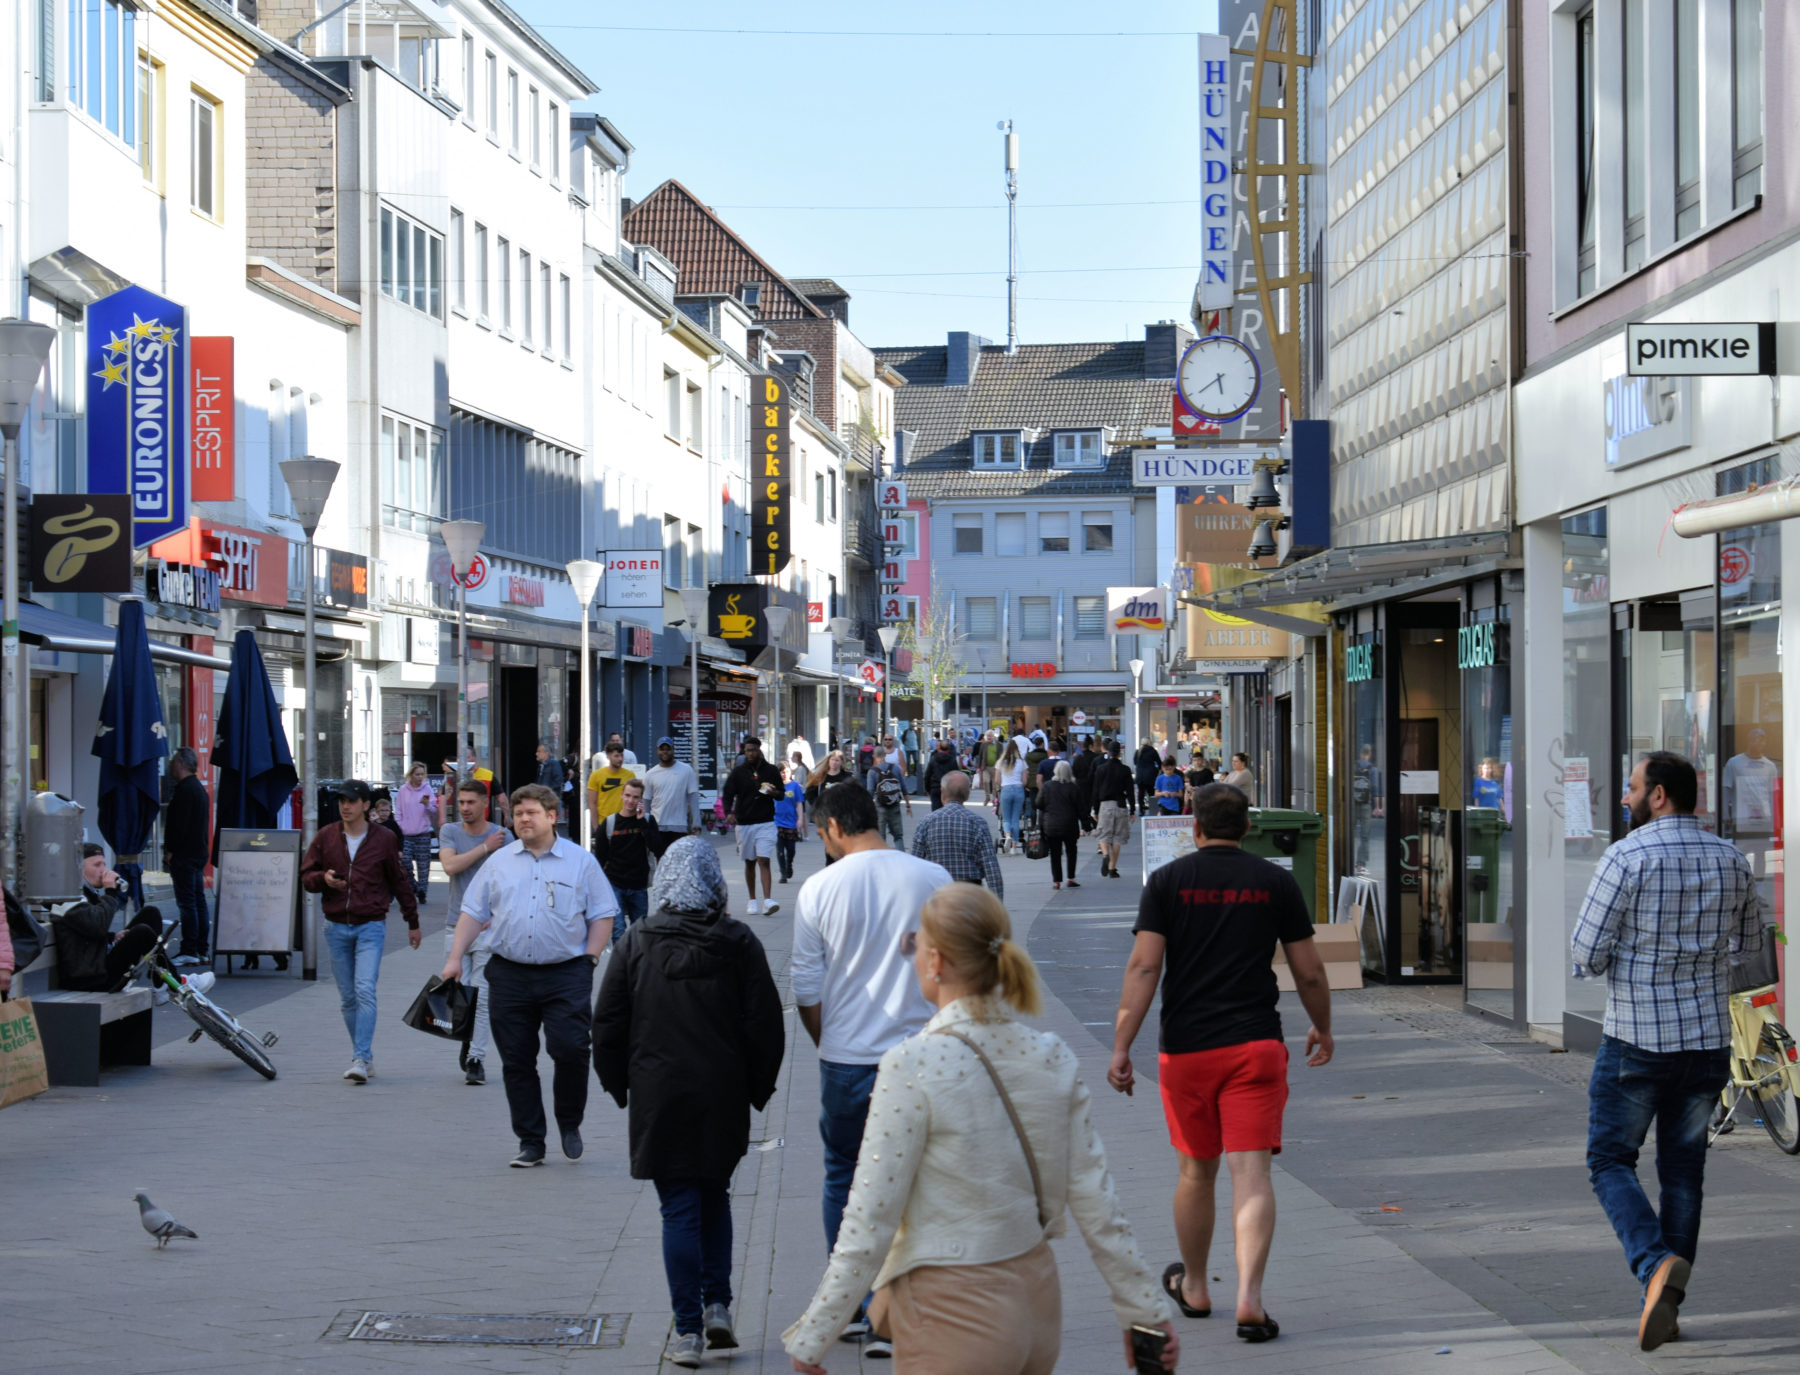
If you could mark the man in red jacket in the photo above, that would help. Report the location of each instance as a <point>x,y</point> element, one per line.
<point>356,869</point>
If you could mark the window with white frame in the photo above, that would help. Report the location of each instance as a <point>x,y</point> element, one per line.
<point>1090,618</point>
<point>555,142</point>
<point>503,264</point>
<point>904,524</point>
<point>1036,622</point>
<point>512,111</point>
<point>468,58</point>
<point>672,404</point>
<point>459,289</point>
<point>525,297</point>
<point>481,272</point>
<point>1000,449</point>
<point>1053,532</point>
<point>819,498</point>
<point>831,493</point>
<point>696,418</point>
<point>568,325</point>
<point>1658,130</point>
<point>673,551</point>
<point>412,475</point>
<point>101,42</point>
<point>150,119</point>
<point>412,263</point>
<point>981,618</point>
<point>493,96</point>
<point>1079,449</point>
<point>203,153</point>
<point>1097,532</point>
<point>537,129</point>
<point>1009,534</point>
<point>967,534</point>
<point>545,301</point>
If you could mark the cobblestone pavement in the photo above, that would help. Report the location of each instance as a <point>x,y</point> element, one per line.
<point>1432,1196</point>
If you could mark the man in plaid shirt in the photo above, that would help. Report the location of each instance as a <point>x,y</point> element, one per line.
<point>1667,907</point>
<point>959,839</point>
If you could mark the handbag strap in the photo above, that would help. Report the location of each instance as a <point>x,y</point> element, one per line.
<point>1037,1184</point>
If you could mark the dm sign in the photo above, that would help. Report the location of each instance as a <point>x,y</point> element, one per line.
<point>770,548</point>
<point>137,409</point>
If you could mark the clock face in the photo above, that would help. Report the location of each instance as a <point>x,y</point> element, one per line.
<point>1218,378</point>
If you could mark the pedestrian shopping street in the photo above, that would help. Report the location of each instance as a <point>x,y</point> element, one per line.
<point>1435,1214</point>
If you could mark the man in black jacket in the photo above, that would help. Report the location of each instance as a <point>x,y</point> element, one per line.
<point>750,793</point>
<point>688,1038</point>
<point>90,955</point>
<point>942,761</point>
<point>1115,799</point>
<point>622,845</point>
<point>187,841</point>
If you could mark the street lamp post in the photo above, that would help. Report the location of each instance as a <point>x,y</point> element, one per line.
<point>462,538</point>
<point>776,617</point>
<point>1137,672</point>
<point>840,631</point>
<point>584,577</point>
<point>982,650</point>
<point>309,483</point>
<point>889,636</point>
<point>23,348</point>
<point>694,607</point>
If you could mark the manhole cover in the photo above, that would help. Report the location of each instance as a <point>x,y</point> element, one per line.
<point>492,1329</point>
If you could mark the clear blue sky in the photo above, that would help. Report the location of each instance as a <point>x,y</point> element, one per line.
<point>760,121</point>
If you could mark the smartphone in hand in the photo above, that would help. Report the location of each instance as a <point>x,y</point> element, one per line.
<point>1147,1345</point>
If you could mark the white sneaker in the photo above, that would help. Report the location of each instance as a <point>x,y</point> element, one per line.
<point>756,907</point>
<point>358,1073</point>
<point>878,1349</point>
<point>200,981</point>
<point>369,1067</point>
<point>771,907</point>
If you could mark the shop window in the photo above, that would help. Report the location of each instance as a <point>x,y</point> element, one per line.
<point>1365,709</point>
<point>1489,903</point>
<point>1581,779</point>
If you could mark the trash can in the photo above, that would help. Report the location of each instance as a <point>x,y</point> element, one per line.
<point>53,837</point>
<point>1289,839</point>
<point>1482,829</point>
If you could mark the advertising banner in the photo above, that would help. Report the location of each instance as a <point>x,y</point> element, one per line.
<point>214,469</point>
<point>1137,610</point>
<point>80,543</point>
<point>137,401</point>
<point>770,538</point>
<point>634,580</point>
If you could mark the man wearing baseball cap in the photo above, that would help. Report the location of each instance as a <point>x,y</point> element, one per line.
<point>356,869</point>
<point>671,797</point>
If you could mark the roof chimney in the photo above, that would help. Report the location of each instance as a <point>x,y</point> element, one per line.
<point>1164,343</point>
<point>963,357</point>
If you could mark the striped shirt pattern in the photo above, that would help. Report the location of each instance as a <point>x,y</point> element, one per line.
<point>1667,907</point>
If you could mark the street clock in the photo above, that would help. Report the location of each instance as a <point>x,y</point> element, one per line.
<point>1218,378</point>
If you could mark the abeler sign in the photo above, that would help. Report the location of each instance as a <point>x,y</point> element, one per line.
<point>1740,350</point>
<point>138,409</point>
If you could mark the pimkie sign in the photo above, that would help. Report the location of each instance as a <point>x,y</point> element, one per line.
<point>137,424</point>
<point>770,546</point>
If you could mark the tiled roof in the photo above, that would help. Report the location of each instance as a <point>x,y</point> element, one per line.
<point>710,257</point>
<point>1042,388</point>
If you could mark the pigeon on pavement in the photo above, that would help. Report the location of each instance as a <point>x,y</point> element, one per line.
<point>159,1224</point>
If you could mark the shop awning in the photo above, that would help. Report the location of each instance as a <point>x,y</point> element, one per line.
<point>53,630</point>
<point>1344,578</point>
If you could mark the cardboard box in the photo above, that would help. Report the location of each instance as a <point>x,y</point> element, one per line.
<point>1337,946</point>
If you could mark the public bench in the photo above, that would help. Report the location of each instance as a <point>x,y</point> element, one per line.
<point>83,1032</point>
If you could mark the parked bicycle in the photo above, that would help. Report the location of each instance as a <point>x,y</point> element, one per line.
<point>189,993</point>
<point>1765,1062</point>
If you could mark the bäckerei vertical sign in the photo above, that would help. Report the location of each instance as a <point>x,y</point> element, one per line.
<point>770,544</point>
<point>138,409</point>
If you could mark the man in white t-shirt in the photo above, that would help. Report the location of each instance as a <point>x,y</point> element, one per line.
<point>855,927</point>
<point>1749,785</point>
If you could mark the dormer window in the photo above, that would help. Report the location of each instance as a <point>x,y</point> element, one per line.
<point>999,449</point>
<point>1080,448</point>
<point>750,293</point>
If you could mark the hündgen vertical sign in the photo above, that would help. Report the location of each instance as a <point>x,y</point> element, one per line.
<point>137,428</point>
<point>1215,172</point>
<point>770,546</point>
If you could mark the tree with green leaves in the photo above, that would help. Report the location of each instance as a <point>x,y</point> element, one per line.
<point>936,644</point>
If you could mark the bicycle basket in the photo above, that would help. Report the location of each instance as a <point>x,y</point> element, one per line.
<point>1755,969</point>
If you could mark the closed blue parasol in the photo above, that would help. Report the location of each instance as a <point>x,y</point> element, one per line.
<point>130,744</point>
<point>256,767</point>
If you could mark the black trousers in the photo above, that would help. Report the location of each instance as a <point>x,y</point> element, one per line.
<point>522,998</point>
<point>123,954</point>
<point>1059,846</point>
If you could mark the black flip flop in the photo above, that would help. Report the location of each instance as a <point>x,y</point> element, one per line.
<point>1265,1331</point>
<point>1171,1283</point>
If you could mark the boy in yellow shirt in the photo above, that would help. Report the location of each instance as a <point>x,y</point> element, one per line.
<point>605,786</point>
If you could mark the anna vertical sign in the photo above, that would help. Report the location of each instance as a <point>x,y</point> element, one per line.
<point>138,409</point>
<point>770,542</point>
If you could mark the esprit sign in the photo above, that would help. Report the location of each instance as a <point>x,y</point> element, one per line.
<point>214,439</point>
<point>1034,670</point>
<point>1737,350</point>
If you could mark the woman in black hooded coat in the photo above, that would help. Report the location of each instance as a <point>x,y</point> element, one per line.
<point>688,1038</point>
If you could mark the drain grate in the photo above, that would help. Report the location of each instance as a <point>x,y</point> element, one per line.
<point>492,1329</point>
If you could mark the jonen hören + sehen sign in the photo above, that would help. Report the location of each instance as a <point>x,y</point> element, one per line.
<point>770,546</point>
<point>137,409</point>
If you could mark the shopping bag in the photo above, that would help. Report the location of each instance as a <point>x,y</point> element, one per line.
<point>1035,846</point>
<point>22,1071</point>
<point>444,1009</point>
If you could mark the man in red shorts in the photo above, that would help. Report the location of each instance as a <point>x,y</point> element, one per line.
<point>1213,919</point>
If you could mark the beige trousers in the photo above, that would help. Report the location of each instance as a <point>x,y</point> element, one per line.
<point>999,1319</point>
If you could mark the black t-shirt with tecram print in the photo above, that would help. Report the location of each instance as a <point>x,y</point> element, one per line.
<point>1222,912</point>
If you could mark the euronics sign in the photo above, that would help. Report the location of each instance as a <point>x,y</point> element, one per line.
<point>137,403</point>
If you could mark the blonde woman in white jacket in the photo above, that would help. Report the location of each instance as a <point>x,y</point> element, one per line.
<point>950,1213</point>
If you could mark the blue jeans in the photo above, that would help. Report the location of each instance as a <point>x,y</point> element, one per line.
<point>634,906</point>
<point>696,1215</point>
<point>356,961</point>
<point>1631,1089</point>
<point>843,1109</point>
<point>189,878</point>
<point>1012,807</point>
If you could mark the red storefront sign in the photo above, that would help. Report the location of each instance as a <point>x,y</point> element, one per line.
<point>815,613</point>
<point>1034,670</point>
<point>252,564</point>
<point>213,437</point>
<point>524,591</point>
<point>643,642</point>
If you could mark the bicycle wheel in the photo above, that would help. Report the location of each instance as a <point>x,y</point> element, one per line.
<point>1775,1095</point>
<point>238,1042</point>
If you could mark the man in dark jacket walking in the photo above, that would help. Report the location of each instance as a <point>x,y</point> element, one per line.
<point>688,1038</point>
<point>187,840</point>
<point>1114,794</point>
<point>356,869</point>
<point>942,762</point>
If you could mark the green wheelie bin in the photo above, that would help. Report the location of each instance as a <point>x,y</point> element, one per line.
<point>1290,839</point>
